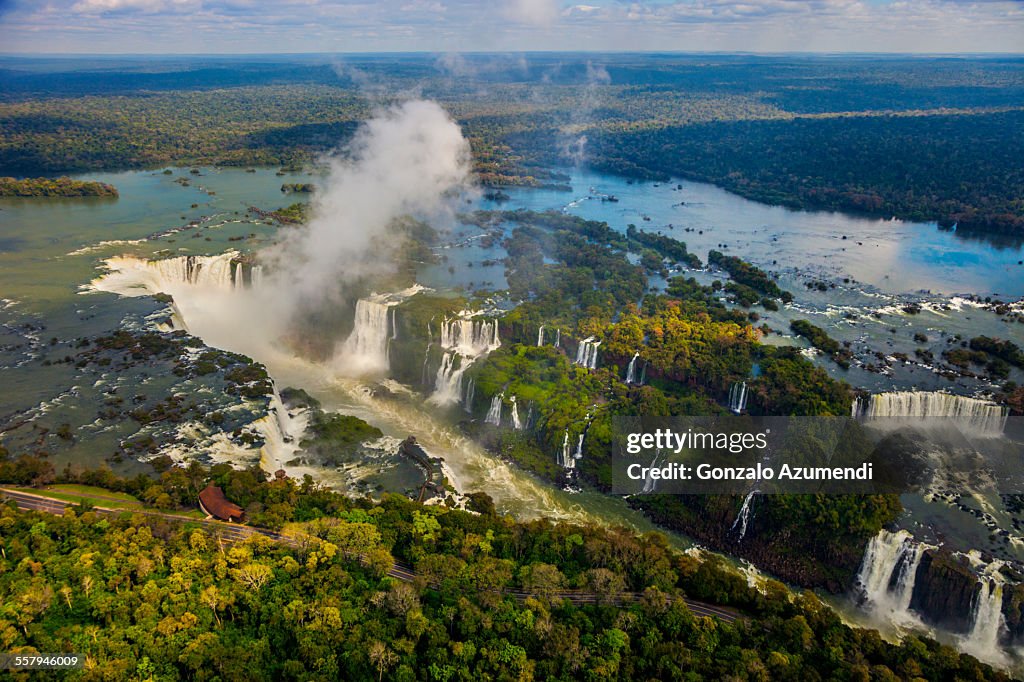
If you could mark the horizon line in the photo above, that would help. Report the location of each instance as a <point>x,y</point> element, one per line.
<point>804,53</point>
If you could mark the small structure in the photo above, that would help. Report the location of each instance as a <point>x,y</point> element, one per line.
<point>213,503</point>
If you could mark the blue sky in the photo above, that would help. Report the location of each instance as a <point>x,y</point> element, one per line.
<point>254,26</point>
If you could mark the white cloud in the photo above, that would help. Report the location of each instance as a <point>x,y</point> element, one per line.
<point>153,6</point>
<point>540,13</point>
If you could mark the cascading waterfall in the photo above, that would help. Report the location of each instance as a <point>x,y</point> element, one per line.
<point>579,447</point>
<point>980,417</point>
<point>586,353</point>
<point>494,413</point>
<point>467,401</point>
<point>987,613</point>
<point>888,572</point>
<point>631,377</point>
<point>566,460</point>
<point>464,340</point>
<point>367,346</point>
<point>448,382</point>
<point>744,516</point>
<point>223,272</point>
<point>540,336</point>
<point>515,414</point>
<point>738,397</point>
<point>470,337</point>
<point>558,337</point>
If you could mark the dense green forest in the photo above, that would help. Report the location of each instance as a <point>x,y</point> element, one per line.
<point>149,598</point>
<point>917,139</point>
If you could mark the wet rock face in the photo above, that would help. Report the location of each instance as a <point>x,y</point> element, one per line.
<point>1013,611</point>
<point>944,591</point>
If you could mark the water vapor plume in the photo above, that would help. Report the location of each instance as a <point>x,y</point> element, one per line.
<point>404,161</point>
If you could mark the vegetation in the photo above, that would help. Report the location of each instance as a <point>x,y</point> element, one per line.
<point>50,187</point>
<point>820,339</point>
<point>749,275</point>
<point>146,597</point>
<point>891,123</point>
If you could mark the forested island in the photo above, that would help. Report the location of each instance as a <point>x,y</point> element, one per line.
<point>54,187</point>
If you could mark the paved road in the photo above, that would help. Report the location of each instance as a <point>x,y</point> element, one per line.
<point>231,532</point>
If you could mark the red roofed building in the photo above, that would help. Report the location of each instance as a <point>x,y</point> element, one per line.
<point>213,502</point>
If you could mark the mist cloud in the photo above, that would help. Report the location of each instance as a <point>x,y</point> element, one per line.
<point>402,161</point>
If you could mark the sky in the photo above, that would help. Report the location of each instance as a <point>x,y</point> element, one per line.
<point>296,26</point>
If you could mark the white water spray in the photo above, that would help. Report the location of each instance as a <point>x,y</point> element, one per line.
<point>494,413</point>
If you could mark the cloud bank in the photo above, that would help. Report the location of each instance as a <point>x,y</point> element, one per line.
<point>443,26</point>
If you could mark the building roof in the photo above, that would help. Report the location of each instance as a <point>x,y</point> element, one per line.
<point>213,502</point>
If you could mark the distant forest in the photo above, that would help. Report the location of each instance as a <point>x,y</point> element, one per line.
<point>916,138</point>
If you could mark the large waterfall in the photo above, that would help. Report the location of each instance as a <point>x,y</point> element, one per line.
<point>540,336</point>
<point>888,572</point>
<point>980,417</point>
<point>586,353</point>
<point>366,349</point>
<point>494,413</point>
<point>224,272</point>
<point>470,337</point>
<point>631,377</point>
<point>448,382</point>
<point>987,614</point>
<point>464,340</point>
<point>738,397</point>
<point>558,338</point>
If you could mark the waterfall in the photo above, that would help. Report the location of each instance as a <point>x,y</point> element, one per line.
<point>515,414</point>
<point>464,340</point>
<point>540,336</point>
<point>579,447</point>
<point>494,414</point>
<point>888,572</point>
<point>651,483</point>
<point>586,353</point>
<point>367,346</point>
<point>738,397</point>
<point>631,377</point>
<point>470,338</point>
<point>566,460</point>
<point>744,516</point>
<point>558,337</point>
<point>467,401</point>
<point>223,272</point>
<point>448,382</point>
<point>980,417</point>
<point>987,614</point>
